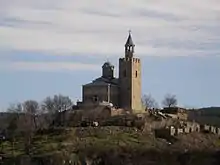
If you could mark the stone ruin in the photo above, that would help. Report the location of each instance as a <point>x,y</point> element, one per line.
<point>186,128</point>
<point>210,129</point>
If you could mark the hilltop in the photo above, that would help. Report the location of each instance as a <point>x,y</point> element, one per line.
<point>208,115</point>
<point>103,137</point>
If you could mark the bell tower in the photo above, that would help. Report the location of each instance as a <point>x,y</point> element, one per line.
<point>130,78</point>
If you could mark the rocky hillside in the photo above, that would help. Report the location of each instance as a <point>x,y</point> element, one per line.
<point>111,145</point>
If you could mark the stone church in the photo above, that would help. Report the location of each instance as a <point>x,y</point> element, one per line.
<point>122,92</point>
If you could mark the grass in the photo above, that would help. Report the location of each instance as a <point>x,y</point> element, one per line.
<point>79,138</point>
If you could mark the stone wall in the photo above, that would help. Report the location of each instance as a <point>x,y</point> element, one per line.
<point>188,127</point>
<point>210,129</point>
<point>116,112</point>
<point>175,112</point>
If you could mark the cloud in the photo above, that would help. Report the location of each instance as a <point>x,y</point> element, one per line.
<point>48,66</point>
<point>67,27</point>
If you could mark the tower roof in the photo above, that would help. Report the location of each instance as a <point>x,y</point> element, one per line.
<point>129,40</point>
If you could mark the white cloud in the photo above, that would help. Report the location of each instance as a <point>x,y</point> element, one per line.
<point>159,27</point>
<point>48,66</point>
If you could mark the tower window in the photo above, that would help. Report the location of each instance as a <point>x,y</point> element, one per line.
<point>136,74</point>
<point>124,73</point>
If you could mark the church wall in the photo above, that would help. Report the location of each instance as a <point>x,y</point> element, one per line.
<point>89,92</point>
<point>101,92</point>
<point>114,95</point>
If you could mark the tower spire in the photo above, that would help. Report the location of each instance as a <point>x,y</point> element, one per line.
<point>129,41</point>
<point>129,46</point>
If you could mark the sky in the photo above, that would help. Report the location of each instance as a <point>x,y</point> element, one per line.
<point>53,47</point>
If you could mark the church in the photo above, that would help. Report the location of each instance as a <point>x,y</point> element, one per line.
<point>123,92</point>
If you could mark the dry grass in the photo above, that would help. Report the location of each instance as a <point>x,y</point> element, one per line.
<point>197,141</point>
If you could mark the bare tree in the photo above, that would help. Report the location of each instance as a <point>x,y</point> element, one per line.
<point>24,121</point>
<point>48,105</point>
<point>29,122</point>
<point>149,102</point>
<point>12,129</point>
<point>169,100</point>
<point>15,108</point>
<point>55,105</point>
<point>31,107</point>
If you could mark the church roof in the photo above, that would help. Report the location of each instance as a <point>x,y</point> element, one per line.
<point>129,41</point>
<point>96,83</point>
<point>102,82</point>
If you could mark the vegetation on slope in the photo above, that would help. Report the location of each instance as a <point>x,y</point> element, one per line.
<point>102,139</point>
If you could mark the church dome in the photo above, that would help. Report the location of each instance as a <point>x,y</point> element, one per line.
<point>107,64</point>
<point>107,70</point>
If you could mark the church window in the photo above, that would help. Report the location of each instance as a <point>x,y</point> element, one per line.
<point>95,98</point>
<point>136,74</point>
<point>124,73</point>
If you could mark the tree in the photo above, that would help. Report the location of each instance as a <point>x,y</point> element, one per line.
<point>25,121</point>
<point>12,129</point>
<point>55,105</point>
<point>31,107</point>
<point>149,102</point>
<point>29,122</point>
<point>15,108</point>
<point>169,100</point>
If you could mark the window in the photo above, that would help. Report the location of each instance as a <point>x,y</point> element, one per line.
<point>136,74</point>
<point>124,73</point>
<point>95,98</point>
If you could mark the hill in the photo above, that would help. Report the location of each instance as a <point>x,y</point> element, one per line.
<point>110,145</point>
<point>208,115</point>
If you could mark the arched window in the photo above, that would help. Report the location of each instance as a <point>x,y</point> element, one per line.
<point>95,98</point>
<point>136,74</point>
<point>124,73</point>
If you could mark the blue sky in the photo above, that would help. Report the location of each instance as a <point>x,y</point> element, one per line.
<point>51,47</point>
